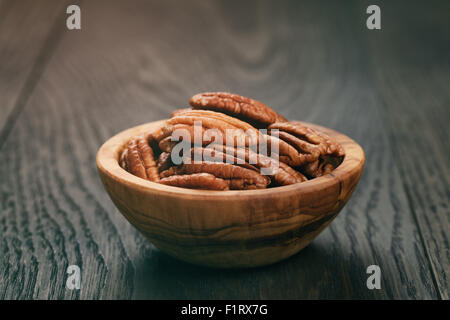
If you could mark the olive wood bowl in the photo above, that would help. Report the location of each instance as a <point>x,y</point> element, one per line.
<point>229,229</point>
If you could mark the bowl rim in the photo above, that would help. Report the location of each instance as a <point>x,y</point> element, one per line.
<point>108,164</point>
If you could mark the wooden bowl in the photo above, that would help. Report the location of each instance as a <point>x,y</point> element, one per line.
<point>229,228</point>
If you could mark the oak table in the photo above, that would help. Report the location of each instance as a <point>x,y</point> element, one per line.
<point>64,92</point>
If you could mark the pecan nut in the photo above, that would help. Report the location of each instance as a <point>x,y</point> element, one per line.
<point>322,153</point>
<point>164,162</point>
<point>240,178</point>
<point>221,147</point>
<point>178,132</point>
<point>244,108</point>
<point>238,124</point>
<point>212,154</point>
<point>234,133</point>
<point>308,139</point>
<point>209,120</point>
<point>138,159</point>
<point>196,181</point>
<point>280,173</point>
<point>322,166</point>
<point>291,153</point>
<point>231,130</point>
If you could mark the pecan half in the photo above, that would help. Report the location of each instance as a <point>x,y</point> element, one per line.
<point>123,159</point>
<point>167,144</point>
<point>322,153</point>
<point>213,154</point>
<point>239,124</point>
<point>164,162</point>
<point>287,175</point>
<point>174,133</point>
<point>209,121</point>
<point>235,133</point>
<point>244,108</point>
<point>291,153</point>
<point>280,173</point>
<point>138,159</point>
<point>308,139</point>
<point>240,178</point>
<point>196,181</point>
<point>322,166</point>
<point>153,139</point>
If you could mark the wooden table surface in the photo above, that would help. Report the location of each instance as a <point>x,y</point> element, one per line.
<point>63,93</point>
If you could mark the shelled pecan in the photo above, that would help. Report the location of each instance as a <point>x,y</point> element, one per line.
<point>235,133</point>
<point>178,132</point>
<point>215,126</point>
<point>239,124</point>
<point>317,168</point>
<point>325,164</point>
<point>138,159</point>
<point>218,144</point>
<point>244,108</point>
<point>196,181</point>
<point>212,154</point>
<point>211,119</point>
<point>164,161</point>
<point>324,153</point>
<point>240,178</point>
<point>280,173</point>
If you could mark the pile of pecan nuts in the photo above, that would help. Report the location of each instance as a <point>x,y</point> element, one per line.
<point>292,152</point>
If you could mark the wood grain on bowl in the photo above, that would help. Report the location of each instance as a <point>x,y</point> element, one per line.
<point>229,228</point>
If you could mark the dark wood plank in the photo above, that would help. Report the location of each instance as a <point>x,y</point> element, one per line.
<point>132,64</point>
<point>27,35</point>
<point>413,78</point>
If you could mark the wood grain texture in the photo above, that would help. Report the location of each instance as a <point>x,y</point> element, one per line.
<point>28,35</point>
<point>413,77</point>
<point>135,62</point>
